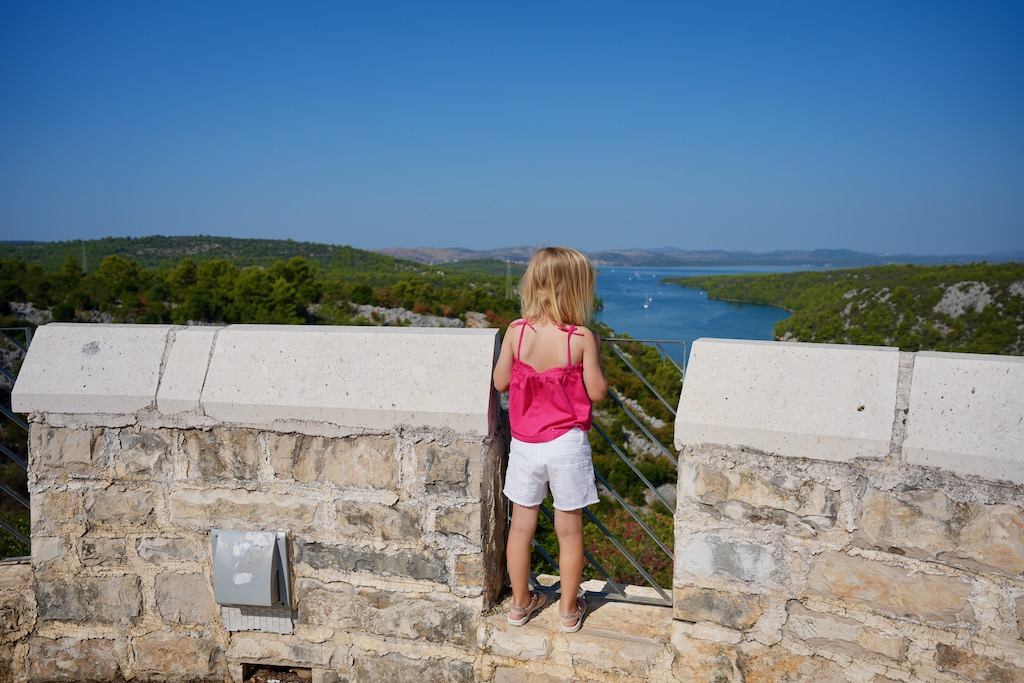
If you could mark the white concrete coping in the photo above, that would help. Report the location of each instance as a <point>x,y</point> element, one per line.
<point>181,384</point>
<point>820,401</point>
<point>967,415</point>
<point>76,368</point>
<point>367,377</point>
<point>364,378</point>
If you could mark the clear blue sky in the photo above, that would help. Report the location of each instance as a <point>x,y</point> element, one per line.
<point>885,126</point>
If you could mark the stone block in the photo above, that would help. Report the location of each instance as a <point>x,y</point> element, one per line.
<point>181,383</point>
<point>185,598</point>
<point>237,508</point>
<point>180,654</point>
<point>395,667</point>
<point>993,538</point>
<point>611,654</point>
<point>348,376</point>
<point>967,415</point>
<point>51,509</point>
<point>518,643</point>
<point>361,461</point>
<point>221,454</point>
<point>503,675</point>
<point>91,368</point>
<point>839,634</point>
<point>915,523</point>
<point>641,621</point>
<point>46,549</point>
<point>10,618</point>
<point>364,461</point>
<point>17,609</point>
<point>161,550</point>
<point>285,451</point>
<point>114,600</point>
<point>892,590</point>
<point>116,505</point>
<point>336,605</point>
<point>365,521</point>
<point>426,565</point>
<point>711,555</point>
<point>464,521</point>
<point>94,660</point>
<point>749,496</point>
<point>278,650</point>
<point>64,452</point>
<point>387,613</point>
<point>775,665</point>
<point>820,401</point>
<point>975,668</point>
<point>142,455</point>
<point>101,552</point>
<point>727,608</point>
<point>469,572</point>
<point>448,468</point>
<point>700,660</point>
<point>928,525</point>
<point>331,676</point>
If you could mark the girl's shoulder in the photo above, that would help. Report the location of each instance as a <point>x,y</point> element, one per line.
<point>584,334</point>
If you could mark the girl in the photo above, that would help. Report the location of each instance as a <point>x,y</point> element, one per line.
<point>551,369</point>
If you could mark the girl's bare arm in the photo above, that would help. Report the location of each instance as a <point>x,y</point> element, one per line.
<point>593,374</point>
<point>502,374</point>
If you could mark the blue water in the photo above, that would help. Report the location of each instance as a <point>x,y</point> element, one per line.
<point>680,314</point>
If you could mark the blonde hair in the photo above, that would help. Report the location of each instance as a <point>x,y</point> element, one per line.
<point>558,286</point>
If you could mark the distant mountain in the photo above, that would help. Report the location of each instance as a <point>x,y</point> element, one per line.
<point>664,257</point>
<point>158,251</point>
<point>433,255</point>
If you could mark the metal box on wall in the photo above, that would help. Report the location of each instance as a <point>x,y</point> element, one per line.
<point>250,568</point>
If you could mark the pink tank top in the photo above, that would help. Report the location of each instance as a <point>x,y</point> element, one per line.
<point>544,405</point>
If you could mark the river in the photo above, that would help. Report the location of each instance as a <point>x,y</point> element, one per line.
<point>673,312</point>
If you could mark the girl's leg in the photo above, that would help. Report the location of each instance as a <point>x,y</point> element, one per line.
<point>569,529</point>
<point>518,549</point>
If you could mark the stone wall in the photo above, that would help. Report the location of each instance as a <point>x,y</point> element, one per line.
<point>844,513</point>
<point>852,513</point>
<point>376,450</point>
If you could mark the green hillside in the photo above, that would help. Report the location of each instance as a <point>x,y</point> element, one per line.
<point>974,308</point>
<point>159,253</point>
<point>221,280</point>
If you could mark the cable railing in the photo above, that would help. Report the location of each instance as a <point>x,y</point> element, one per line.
<point>14,504</point>
<point>626,411</point>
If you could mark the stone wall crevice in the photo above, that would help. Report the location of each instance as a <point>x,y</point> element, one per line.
<point>904,382</point>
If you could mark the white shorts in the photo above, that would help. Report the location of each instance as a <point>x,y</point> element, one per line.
<point>564,462</point>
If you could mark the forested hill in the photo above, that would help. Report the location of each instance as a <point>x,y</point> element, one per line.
<point>223,280</point>
<point>975,308</point>
<point>161,253</point>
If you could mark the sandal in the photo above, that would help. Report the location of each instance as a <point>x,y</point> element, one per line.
<point>517,616</point>
<point>577,617</point>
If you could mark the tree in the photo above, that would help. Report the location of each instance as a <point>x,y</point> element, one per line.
<point>118,278</point>
<point>259,297</point>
